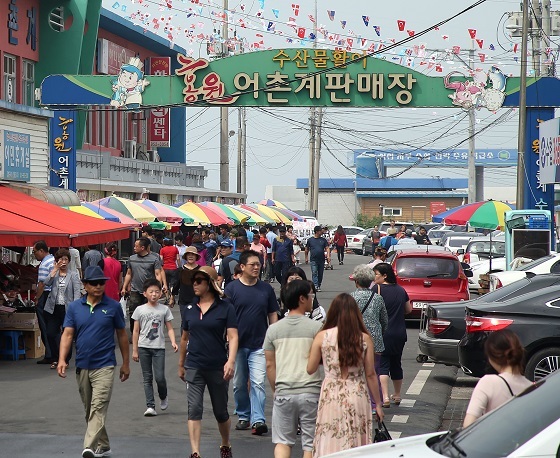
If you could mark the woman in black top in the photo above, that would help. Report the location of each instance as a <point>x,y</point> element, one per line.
<point>398,305</point>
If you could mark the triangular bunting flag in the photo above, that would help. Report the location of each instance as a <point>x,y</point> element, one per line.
<point>400,25</point>
<point>377,30</point>
<point>482,56</point>
<point>472,33</point>
<point>410,33</point>
<point>276,13</point>
<point>331,14</point>
<point>295,7</point>
<point>366,20</point>
<point>301,32</point>
<point>343,24</point>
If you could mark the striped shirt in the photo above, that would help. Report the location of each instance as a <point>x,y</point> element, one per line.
<point>45,268</point>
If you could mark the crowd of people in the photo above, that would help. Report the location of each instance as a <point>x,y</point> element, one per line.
<point>234,327</point>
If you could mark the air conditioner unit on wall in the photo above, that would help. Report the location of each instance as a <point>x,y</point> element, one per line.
<point>130,149</point>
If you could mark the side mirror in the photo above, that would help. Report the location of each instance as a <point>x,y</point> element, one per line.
<point>461,251</point>
<point>468,273</point>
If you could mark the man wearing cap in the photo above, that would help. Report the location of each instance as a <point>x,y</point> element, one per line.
<point>407,239</point>
<point>282,254</point>
<point>140,266</point>
<point>208,319</point>
<point>390,239</point>
<point>92,322</point>
<point>225,273</point>
<point>315,250</point>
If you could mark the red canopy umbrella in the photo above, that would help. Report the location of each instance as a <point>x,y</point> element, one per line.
<point>22,216</point>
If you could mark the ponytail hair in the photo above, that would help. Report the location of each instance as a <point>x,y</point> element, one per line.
<point>505,348</point>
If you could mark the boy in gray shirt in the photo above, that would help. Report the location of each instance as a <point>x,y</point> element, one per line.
<point>148,343</point>
<point>296,393</point>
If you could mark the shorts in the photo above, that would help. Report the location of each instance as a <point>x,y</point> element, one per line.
<point>197,380</point>
<point>287,411</point>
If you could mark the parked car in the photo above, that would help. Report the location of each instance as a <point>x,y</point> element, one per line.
<point>367,244</point>
<point>436,234</point>
<point>534,317</point>
<point>386,224</point>
<point>484,267</point>
<point>457,240</point>
<point>350,231</point>
<point>356,242</point>
<point>524,427</point>
<point>546,264</point>
<point>445,325</point>
<point>429,274</point>
<point>480,248</point>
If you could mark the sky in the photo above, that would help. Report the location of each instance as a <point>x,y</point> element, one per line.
<point>277,138</point>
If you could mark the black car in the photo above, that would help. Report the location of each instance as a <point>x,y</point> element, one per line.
<point>534,317</point>
<point>445,325</point>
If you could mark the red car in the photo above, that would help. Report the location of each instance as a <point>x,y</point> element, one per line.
<point>429,274</point>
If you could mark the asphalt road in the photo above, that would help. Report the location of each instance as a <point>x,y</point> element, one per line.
<point>42,415</point>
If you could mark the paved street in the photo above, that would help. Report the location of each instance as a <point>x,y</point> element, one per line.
<point>42,414</point>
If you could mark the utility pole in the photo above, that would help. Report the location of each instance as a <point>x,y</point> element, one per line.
<point>472,151</point>
<point>242,152</point>
<point>224,115</point>
<point>317,161</point>
<point>311,158</point>
<point>546,70</point>
<point>520,198</point>
<point>315,119</point>
<point>535,23</point>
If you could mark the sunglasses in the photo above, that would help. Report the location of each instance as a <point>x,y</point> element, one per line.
<point>199,280</point>
<point>96,282</point>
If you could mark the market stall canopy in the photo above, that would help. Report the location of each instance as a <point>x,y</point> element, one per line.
<point>204,215</point>
<point>111,215</point>
<point>254,215</point>
<point>127,207</point>
<point>166,213</point>
<point>272,203</point>
<point>227,212</point>
<point>24,220</point>
<point>484,215</point>
<point>269,212</point>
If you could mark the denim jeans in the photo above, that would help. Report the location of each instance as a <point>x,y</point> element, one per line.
<point>153,358</point>
<point>250,365</point>
<point>317,269</point>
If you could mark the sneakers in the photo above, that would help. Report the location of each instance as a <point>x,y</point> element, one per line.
<point>150,412</point>
<point>225,451</point>
<point>164,404</point>
<point>88,453</point>
<point>195,455</point>
<point>318,288</point>
<point>102,451</point>
<point>242,425</point>
<point>259,428</point>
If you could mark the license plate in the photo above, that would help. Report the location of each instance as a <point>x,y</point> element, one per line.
<point>420,305</point>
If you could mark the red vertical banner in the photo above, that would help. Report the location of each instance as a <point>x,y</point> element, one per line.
<point>159,121</point>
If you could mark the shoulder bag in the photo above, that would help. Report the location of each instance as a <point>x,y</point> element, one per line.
<point>370,299</point>
<point>381,433</point>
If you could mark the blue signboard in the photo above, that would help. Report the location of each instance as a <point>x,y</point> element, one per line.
<point>63,150</point>
<point>439,158</point>
<point>17,156</point>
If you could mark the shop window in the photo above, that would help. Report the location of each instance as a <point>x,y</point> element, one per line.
<point>388,211</point>
<point>28,83</point>
<point>9,77</point>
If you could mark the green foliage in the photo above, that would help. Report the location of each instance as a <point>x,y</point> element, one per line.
<point>366,221</point>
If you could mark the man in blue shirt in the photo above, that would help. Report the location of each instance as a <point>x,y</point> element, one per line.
<point>92,321</point>
<point>282,254</point>
<point>41,253</point>
<point>256,307</point>
<point>225,272</point>
<point>315,250</point>
<point>390,239</point>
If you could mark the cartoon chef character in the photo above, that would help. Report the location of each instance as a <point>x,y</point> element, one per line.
<point>128,87</point>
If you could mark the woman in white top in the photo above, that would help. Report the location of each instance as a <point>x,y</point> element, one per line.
<point>506,355</point>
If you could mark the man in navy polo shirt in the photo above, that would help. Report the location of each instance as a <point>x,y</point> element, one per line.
<point>256,307</point>
<point>92,322</point>
<point>282,254</point>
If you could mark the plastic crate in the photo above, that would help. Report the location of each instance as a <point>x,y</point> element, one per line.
<point>539,222</point>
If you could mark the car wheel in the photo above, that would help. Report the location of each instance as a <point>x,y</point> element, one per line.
<point>364,252</point>
<point>542,363</point>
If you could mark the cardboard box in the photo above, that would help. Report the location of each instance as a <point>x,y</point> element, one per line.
<point>20,321</point>
<point>34,347</point>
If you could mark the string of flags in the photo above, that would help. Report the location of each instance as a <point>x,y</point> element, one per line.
<point>173,24</point>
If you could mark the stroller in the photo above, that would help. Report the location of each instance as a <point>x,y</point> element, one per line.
<point>328,263</point>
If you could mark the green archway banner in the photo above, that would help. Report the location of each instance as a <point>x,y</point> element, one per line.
<point>296,78</point>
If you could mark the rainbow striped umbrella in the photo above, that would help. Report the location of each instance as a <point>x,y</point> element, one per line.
<point>110,215</point>
<point>289,213</point>
<point>269,212</point>
<point>254,216</point>
<point>166,213</point>
<point>272,203</point>
<point>235,215</point>
<point>488,214</point>
<point>204,214</point>
<point>128,207</point>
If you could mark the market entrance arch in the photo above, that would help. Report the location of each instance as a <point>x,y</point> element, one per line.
<point>306,78</point>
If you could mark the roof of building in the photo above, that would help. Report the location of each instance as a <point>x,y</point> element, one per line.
<point>404,184</point>
<point>118,25</point>
<point>424,193</point>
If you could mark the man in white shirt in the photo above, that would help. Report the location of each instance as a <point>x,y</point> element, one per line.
<point>407,239</point>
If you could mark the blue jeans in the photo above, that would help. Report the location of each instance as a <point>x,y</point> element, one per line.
<point>250,365</point>
<point>317,269</point>
<point>153,358</point>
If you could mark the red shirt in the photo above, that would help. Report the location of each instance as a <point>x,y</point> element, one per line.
<point>169,257</point>
<point>340,239</point>
<point>112,268</point>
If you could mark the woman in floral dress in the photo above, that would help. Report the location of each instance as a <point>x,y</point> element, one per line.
<point>344,418</point>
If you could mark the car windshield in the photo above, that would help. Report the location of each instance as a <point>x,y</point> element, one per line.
<point>352,230</point>
<point>535,263</point>
<point>504,430</point>
<point>456,242</point>
<point>427,267</point>
<point>484,247</point>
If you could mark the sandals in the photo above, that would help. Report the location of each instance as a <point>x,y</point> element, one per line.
<point>54,365</point>
<point>396,400</point>
<point>386,403</point>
